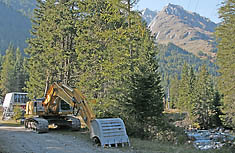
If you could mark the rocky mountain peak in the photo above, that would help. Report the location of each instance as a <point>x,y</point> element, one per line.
<point>190,18</point>
<point>186,29</point>
<point>172,9</point>
<point>148,15</point>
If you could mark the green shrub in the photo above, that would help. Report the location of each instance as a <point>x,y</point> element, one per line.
<point>17,112</point>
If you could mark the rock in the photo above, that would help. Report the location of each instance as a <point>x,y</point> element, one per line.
<point>221,130</point>
<point>210,139</point>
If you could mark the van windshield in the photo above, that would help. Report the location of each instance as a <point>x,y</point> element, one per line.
<point>20,98</point>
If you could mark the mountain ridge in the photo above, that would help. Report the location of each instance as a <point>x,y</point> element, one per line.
<point>188,30</point>
<point>189,17</point>
<point>23,6</point>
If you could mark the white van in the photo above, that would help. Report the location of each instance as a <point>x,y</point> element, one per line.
<point>13,99</point>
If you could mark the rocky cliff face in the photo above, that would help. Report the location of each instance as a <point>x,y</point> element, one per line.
<point>148,15</point>
<point>187,30</point>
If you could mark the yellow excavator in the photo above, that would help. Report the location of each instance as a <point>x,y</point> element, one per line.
<point>59,108</point>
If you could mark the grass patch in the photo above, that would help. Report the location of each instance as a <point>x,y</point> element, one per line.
<point>12,123</point>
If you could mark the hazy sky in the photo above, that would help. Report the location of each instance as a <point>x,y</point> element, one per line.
<point>206,8</point>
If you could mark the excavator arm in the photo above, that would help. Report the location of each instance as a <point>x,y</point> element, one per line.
<point>103,131</point>
<point>71,96</point>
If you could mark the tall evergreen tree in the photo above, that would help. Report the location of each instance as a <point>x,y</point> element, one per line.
<point>103,50</point>
<point>174,91</point>
<point>142,94</point>
<point>143,101</point>
<point>202,110</point>
<point>100,51</point>
<point>207,105</point>
<point>110,53</point>
<point>20,72</point>
<point>186,89</point>
<point>51,49</point>
<point>216,112</point>
<point>8,69</point>
<point>12,73</point>
<point>225,58</point>
<point>36,66</point>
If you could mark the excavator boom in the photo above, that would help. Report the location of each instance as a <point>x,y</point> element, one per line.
<point>71,96</point>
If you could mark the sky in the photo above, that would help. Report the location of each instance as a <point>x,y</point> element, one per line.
<point>206,8</point>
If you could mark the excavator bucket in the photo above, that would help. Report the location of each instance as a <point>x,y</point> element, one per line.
<point>109,132</point>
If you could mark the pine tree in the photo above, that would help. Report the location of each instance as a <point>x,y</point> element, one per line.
<point>103,50</point>
<point>98,51</point>
<point>216,111</point>
<point>12,73</point>
<point>142,95</point>
<point>186,89</point>
<point>225,58</point>
<point>203,105</point>
<point>143,102</point>
<point>7,73</point>
<point>51,49</point>
<point>36,66</point>
<point>174,91</point>
<point>20,73</point>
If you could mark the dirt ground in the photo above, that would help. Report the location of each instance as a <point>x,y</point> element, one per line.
<point>15,139</point>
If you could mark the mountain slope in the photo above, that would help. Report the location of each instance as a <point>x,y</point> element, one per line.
<point>24,6</point>
<point>187,30</point>
<point>172,58</point>
<point>14,28</point>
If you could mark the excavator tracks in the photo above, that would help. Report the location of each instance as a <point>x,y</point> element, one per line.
<point>38,125</point>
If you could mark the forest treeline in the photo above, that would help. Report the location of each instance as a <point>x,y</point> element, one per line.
<point>105,49</point>
<point>172,58</point>
<point>197,94</point>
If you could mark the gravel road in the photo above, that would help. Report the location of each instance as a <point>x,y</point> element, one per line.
<point>19,140</point>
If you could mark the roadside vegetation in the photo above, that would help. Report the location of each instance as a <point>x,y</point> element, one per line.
<point>154,146</point>
<point>8,122</point>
